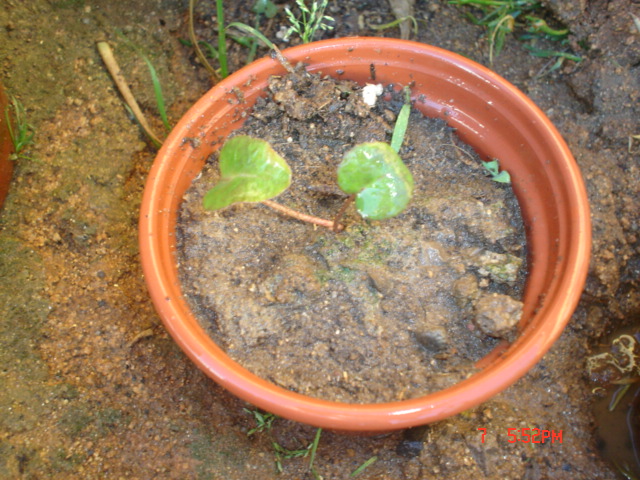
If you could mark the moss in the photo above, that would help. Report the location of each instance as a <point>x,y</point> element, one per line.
<point>75,420</point>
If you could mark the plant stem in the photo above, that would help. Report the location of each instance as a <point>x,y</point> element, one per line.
<point>340,213</point>
<point>336,227</point>
<point>109,60</point>
<point>222,41</point>
<point>196,46</point>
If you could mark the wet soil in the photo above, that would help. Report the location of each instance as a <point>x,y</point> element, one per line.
<point>91,386</point>
<point>427,291</point>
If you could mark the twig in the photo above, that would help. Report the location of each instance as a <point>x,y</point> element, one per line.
<point>109,60</point>
<point>340,213</point>
<point>304,217</point>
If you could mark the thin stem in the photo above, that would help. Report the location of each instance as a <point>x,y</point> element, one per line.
<point>196,46</point>
<point>222,40</point>
<point>109,60</point>
<point>304,217</point>
<point>343,209</point>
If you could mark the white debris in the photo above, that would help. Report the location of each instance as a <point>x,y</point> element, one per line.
<point>371,92</point>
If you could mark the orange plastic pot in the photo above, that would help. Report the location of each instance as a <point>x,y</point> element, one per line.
<point>487,112</point>
<point>6,147</point>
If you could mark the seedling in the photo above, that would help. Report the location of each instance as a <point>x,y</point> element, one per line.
<point>372,174</point>
<point>496,175</point>
<point>20,131</point>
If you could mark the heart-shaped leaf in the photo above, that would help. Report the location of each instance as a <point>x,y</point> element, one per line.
<point>381,181</point>
<point>250,171</point>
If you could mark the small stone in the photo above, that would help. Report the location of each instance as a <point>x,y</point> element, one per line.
<point>497,315</point>
<point>434,340</point>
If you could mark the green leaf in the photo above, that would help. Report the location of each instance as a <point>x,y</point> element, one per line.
<point>250,171</point>
<point>266,7</point>
<point>374,172</point>
<point>494,170</point>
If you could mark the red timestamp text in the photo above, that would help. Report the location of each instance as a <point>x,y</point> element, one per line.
<point>529,435</point>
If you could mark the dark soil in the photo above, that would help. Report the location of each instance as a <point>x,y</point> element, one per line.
<point>307,308</point>
<point>91,385</point>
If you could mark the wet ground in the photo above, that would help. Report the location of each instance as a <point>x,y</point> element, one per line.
<point>91,386</point>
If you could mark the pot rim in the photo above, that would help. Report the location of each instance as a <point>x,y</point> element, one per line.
<point>546,325</point>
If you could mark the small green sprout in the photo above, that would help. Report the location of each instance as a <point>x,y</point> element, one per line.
<point>496,175</point>
<point>310,20</point>
<point>20,131</point>
<point>264,421</point>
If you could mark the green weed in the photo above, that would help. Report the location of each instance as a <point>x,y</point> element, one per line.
<point>311,20</point>
<point>556,55</point>
<point>20,130</point>
<point>501,17</point>
<point>264,421</point>
<point>264,424</point>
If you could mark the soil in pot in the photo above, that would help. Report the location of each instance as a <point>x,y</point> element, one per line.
<point>383,311</point>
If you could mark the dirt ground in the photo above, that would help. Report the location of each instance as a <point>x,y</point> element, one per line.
<point>91,385</point>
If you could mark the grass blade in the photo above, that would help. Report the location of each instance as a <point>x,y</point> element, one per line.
<point>401,127</point>
<point>314,448</point>
<point>157,89</point>
<point>402,122</point>
<point>364,466</point>
<point>252,31</point>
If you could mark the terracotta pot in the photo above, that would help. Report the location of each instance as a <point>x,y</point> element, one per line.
<point>490,114</point>
<point>6,147</point>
